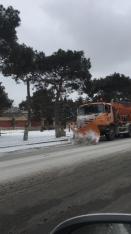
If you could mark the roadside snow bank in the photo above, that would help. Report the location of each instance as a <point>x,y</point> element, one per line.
<point>13,140</point>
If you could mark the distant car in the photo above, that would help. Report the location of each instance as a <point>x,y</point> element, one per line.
<point>51,127</point>
<point>42,128</point>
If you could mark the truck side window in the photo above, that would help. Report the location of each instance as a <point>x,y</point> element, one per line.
<point>107,109</point>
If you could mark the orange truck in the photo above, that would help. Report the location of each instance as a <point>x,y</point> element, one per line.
<point>101,118</point>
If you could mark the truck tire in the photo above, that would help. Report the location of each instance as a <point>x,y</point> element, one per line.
<point>129,132</point>
<point>111,134</point>
<point>117,136</point>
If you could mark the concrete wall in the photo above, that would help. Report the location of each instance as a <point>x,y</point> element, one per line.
<point>7,123</point>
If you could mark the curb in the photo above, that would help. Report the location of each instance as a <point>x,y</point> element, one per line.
<point>33,143</point>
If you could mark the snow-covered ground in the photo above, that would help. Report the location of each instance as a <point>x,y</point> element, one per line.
<point>13,140</point>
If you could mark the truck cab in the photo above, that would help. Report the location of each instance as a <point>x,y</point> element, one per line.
<point>100,113</point>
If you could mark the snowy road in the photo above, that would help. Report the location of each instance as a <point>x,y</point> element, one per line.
<point>21,165</point>
<point>42,187</point>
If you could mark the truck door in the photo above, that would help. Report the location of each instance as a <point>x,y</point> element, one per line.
<point>109,114</point>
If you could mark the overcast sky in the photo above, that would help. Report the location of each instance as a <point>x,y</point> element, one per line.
<point>101,28</point>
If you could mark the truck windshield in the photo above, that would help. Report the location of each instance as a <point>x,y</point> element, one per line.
<point>91,109</point>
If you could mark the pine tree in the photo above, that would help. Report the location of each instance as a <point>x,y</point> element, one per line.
<point>9,21</point>
<point>23,64</point>
<point>5,102</point>
<point>42,104</point>
<point>115,86</point>
<point>64,72</point>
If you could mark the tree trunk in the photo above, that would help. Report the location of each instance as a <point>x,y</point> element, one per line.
<point>57,131</point>
<point>25,137</point>
<point>69,127</point>
<point>65,124</point>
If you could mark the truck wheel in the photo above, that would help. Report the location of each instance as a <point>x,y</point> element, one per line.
<point>111,135</point>
<point>117,136</point>
<point>129,132</point>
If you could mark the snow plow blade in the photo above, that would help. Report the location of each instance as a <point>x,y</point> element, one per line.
<point>89,132</point>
